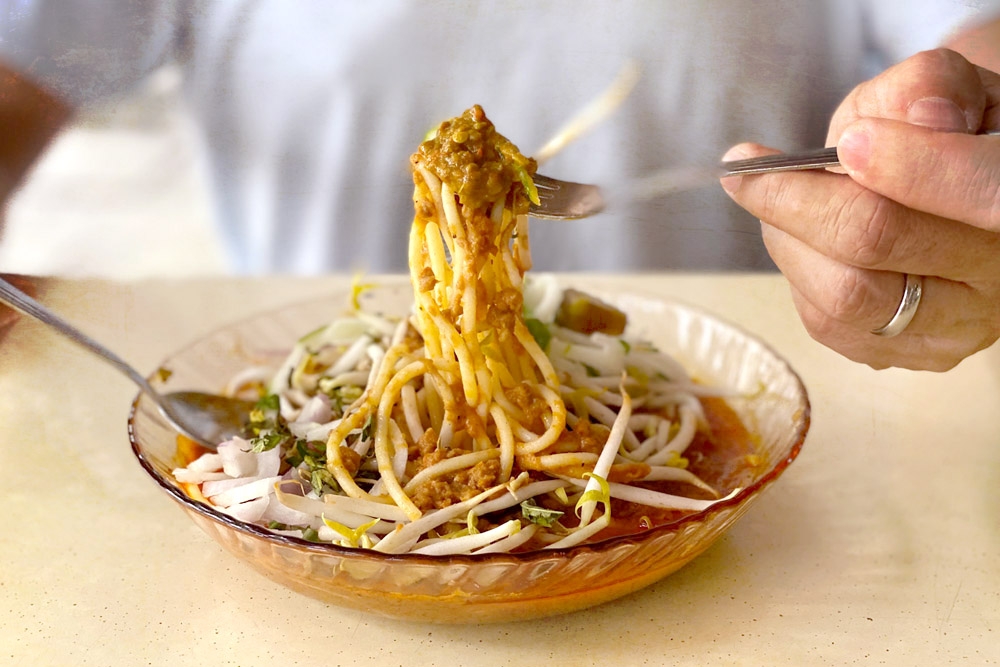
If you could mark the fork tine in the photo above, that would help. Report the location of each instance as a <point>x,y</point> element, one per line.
<point>564,200</point>
<point>547,187</point>
<point>544,182</point>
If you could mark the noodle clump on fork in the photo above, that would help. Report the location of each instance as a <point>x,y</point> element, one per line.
<point>502,414</point>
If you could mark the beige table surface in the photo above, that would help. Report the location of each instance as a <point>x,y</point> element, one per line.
<point>880,545</point>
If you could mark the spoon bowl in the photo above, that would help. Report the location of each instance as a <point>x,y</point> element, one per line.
<point>208,419</point>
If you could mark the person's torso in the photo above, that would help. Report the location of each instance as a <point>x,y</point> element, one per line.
<point>311,111</point>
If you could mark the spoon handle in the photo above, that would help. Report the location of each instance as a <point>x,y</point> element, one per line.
<point>23,303</point>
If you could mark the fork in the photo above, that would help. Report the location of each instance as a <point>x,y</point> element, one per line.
<point>564,200</point>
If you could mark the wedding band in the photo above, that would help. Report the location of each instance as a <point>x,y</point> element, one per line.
<point>907,308</point>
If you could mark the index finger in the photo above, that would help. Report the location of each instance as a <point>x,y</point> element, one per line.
<point>954,176</point>
<point>850,223</point>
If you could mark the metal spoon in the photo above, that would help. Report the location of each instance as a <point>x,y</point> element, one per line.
<point>208,419</point>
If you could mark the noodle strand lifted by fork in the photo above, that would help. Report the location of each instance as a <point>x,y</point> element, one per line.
<point>468,253</point>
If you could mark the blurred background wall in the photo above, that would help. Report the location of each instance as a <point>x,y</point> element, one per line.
<point>120,194</point>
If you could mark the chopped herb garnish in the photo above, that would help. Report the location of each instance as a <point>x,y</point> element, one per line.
<point>277,525</point>
<point>269,402</point>
<point>264,414</point>
<point>296,454</point>
<point>366,430</point>
<point>540,515</point>
<point>320,479</point>
<point>266,442</point>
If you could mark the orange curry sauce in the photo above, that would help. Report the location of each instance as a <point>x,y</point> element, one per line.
<point>724,457</point>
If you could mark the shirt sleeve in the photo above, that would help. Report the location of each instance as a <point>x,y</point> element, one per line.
<point>83,50</point>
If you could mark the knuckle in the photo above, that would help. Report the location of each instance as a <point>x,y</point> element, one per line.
<point>851,298</point>
<point>820,328</point>
<point>774,198</point>
<point>985,322</point>
<point>942,62</point>
<point>864,233</point>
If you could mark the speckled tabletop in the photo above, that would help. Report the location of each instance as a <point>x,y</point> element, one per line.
<point>878,545</point>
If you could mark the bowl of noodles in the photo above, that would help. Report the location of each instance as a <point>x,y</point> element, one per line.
<point>474,443</point>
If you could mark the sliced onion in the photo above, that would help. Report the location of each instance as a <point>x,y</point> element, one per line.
<point>206,463</point>
<point>240,494</point>
<point>237,459</point>
<point>250,511</point>
<point>316,410</point>
<point>188,476</point>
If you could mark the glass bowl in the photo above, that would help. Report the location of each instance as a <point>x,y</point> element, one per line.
<point>487,587</point>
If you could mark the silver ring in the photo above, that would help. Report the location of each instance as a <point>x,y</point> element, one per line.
<point>907,308</point>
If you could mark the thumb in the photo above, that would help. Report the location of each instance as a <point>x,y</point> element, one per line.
<point>937,89</point>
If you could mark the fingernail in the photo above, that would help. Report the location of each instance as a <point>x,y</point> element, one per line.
<point>732,183</point>
<point>938,113</point>
<point>737,152</point>
<point>854,149</point>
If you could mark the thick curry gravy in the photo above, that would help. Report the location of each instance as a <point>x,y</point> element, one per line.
<point>725,458</point>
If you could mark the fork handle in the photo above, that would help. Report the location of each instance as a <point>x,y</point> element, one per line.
<point>816,159</point>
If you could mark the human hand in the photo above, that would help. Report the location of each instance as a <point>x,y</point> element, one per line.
<point>921,197</point>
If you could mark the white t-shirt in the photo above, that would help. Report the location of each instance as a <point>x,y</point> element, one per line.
<point>310,109</point>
